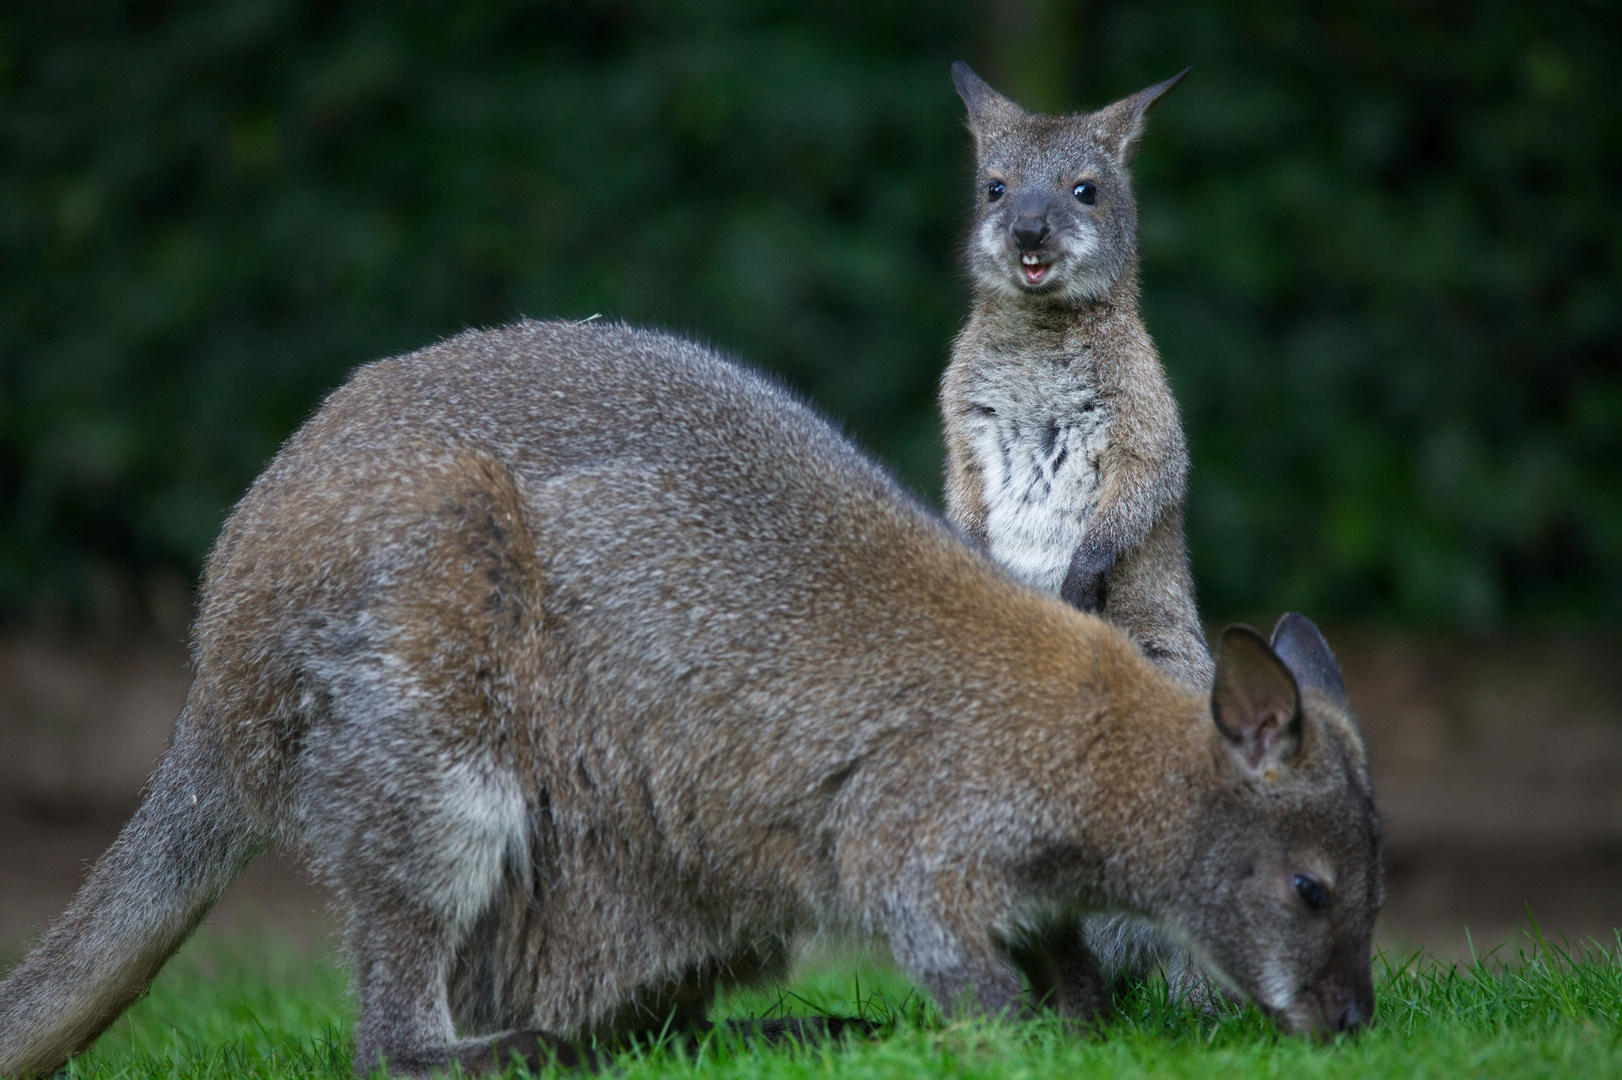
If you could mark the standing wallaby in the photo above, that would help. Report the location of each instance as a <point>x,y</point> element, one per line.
<point>588,667</point>
<point>1065,454</point>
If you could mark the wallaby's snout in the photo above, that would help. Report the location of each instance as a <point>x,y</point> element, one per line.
<point>1341,1003</point>
<point>1355,1015</point>
<point>1031,232</point>
<point>1031,226</point>
<point>1348,1002</point>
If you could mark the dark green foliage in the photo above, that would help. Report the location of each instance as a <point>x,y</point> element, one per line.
<point>1381,245</point>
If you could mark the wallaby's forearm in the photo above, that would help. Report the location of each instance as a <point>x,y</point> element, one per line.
<point>1144,472</point>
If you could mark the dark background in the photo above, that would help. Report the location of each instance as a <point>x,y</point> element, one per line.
<point>1381,244</point>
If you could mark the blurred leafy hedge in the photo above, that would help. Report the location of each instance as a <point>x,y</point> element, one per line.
<point>1381,253</point>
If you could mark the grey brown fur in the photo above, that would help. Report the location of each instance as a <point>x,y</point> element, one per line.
<point>589,668</point>
<point>1065,453</point>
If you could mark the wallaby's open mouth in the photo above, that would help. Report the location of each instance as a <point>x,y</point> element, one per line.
<point>1035,269</point>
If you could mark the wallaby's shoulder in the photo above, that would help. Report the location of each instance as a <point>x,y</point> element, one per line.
<point>443,457</point>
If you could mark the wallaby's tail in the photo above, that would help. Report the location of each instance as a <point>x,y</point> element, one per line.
<point>190,837</point>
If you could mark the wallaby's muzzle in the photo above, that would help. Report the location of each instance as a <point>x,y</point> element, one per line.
<point>1340,1003</point>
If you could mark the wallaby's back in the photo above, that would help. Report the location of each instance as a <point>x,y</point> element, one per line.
<point>670,534</point>
<point>569,455</point>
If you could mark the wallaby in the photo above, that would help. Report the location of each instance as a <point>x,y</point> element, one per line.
<point>1065,453</point>
<point>588,668</point>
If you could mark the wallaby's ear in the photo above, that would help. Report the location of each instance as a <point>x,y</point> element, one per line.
<point>989,111</point>
<point>1255,701</point>
<point>1124,121</point>
<point>1305,652</point>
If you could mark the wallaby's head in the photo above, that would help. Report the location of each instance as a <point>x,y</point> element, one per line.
<point>1285,880</point>
<point>1054,212</point>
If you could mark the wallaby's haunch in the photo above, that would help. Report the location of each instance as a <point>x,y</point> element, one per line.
<point>1065,453</point>
<point>588,667</point>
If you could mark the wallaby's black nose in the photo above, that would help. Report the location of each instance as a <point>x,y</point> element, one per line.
<point>1030,232</point>
<point>1352,1017</point>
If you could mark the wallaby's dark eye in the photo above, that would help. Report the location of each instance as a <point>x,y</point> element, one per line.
<point>994,192</point>
<point>1086,191</point>
<point>1311,892</point>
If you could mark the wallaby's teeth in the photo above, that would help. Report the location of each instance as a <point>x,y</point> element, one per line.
<point>1029,260</point>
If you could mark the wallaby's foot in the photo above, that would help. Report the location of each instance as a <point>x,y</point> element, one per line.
<point>533,1050</point>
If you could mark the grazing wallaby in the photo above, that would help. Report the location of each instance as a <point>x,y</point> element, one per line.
<point>588,667</point>
<point>1065,453</point>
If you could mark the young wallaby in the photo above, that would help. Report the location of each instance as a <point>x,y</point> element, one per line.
<point>588,667</point>
<point>1065,453</point>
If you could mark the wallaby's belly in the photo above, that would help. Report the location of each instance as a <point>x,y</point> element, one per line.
<point>1039,450</point>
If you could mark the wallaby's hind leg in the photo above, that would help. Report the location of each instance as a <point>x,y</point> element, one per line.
<point>681,1006</point>
<point>403,948</point>
<point>805,1029</point>
<point>403,939</point>
<point>420,851</point>
<point>402,957</point>
<point>1152,598</point>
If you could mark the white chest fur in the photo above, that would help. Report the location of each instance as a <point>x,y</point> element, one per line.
<point>1038,433</point>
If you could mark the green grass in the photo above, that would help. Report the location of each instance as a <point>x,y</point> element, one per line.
<point>249,1008</point>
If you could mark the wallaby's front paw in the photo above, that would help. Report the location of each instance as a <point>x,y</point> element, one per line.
<point>1086,585</point>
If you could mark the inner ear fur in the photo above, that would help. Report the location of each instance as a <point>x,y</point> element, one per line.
<point>1125,120</point>
<point>989,111</point>
<point>1255,701</point>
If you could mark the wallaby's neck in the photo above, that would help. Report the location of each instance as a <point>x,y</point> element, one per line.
<point>1150,765</point>
<point>1032,322</point>
<point>1119,752</point>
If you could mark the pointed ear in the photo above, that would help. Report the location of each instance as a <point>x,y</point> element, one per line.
<point>989,112</point>
<point>1305,652</point>
<point>1255,702</point>
<point>1124,121</point>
